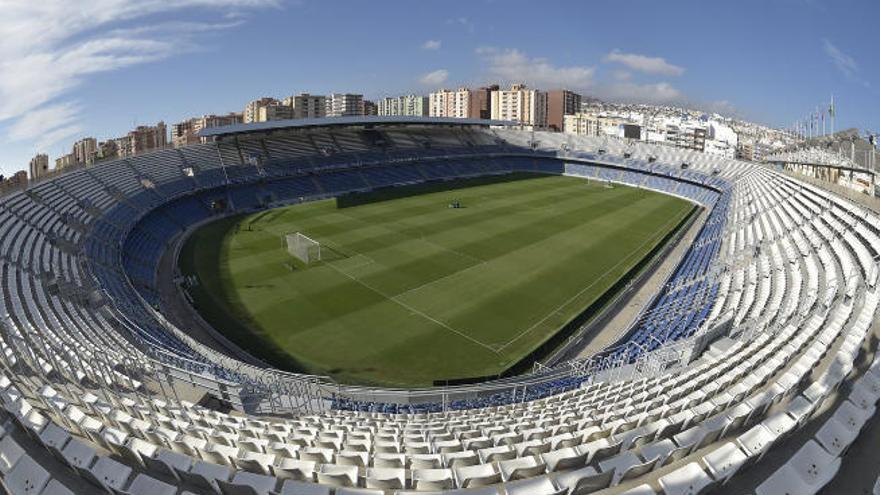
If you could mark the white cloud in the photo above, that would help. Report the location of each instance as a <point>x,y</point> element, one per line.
<point>513,66</point>
<point>434,78</point>
<point>462,22</point>
<point>48,118</point>
<point>50,47</point>
<point>644,63</point>
<point>657,93</point>
<point>844,63</point>
<point>621,75</point>
<point>431,45</point>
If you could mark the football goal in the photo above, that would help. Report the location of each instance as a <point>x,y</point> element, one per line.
<point>303,247</point>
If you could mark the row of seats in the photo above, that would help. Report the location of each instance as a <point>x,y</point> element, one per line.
<point>796,270</point>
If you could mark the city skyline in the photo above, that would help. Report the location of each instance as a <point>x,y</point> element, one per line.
<point>213,56</point>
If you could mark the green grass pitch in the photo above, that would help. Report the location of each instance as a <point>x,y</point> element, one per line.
<point>409,290</point>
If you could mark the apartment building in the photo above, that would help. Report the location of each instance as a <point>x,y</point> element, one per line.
<point>306,106</point>
<point>561,102</point>
<point>345,105</point>
<point>408,105</point>
<point>187,131</point>
<point>39,166</point>
<point>528,107</point>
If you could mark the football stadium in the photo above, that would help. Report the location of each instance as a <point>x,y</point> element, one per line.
<point>392,305</point>
<point>300,247</point>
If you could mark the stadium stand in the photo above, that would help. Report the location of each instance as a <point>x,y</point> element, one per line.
<point>762,337</point>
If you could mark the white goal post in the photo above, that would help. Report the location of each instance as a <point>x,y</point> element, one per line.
<point>303,247</point>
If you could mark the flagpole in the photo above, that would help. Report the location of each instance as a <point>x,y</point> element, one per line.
<point>832,112</point>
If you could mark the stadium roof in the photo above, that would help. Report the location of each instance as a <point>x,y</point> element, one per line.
<point>342,121</point>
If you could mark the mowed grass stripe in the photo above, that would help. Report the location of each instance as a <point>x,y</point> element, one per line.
<point>499,272</point>
<point>551,263</point>
<point>480,239</point>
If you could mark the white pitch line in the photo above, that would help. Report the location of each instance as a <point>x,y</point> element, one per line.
<point>456,252</point>
<point>430,282</point>
<point>422,238</point>
<point>414,310</point>
<point>572,298</point>
<point>370,261</point>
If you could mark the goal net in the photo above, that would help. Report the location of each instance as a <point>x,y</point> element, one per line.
<point>303,247</point>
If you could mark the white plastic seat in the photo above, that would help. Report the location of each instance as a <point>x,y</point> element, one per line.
<point>316,454</point>
<point>32,422</point>
<point>433,479</point>
<point>499,453</point>
<point>805,473</point>
<point>724,461</point>
<point>110,438</point>
<point>562,459</point>
<point>425,461</point>
<point>77,454</point>
<point>244,483</point>
<point>660,449</point>
<point>27,477</point>
<point>134,450</point>
<point>54,487</point>
<point>800,409</point>
<point>167,463</point>
<point>189,445</point>
<point>483,490</point>
<point>521,468</point>
<point>835,437</point>
<point>295,469</point>
<point>446,446</point>
<point>689,479</point>
<point>864,394</point>
<point>626,465</point>
<point>599,449</point>
<point>584,480</point>
<point>387,460</point>
<point>640,490</point>
<point>352,458</point>
<point>478,475</point>
<point>219,454</point>
<point>386,478</point>
<point>338,475</point>
<point>205,475</point>
<point>756,441</point>
<point>692,437</point>
<point>146,485</point>
<point>460,459</point>
<point>387,447</point>
<point>294,487</point>
<point>357,491</point>
<point>531,447</point>
<point>533,486</point>
<point>107,473</point>
<point>10,453</point>
<point>255,462</point>
<point>779,424</point>
<point>852,416</point>
<point>252,445</point>
<point>281,449</point>
<point>54,437</point>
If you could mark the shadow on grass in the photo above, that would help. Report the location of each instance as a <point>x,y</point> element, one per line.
<point>201,256</point>
<point>397,192</point>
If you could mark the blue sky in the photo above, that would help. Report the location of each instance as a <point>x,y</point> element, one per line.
<point>73,68</point>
